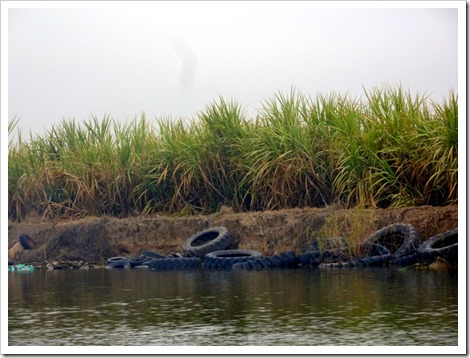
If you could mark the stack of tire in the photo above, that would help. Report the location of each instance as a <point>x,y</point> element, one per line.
<point>400,245</point>
<point>154,261</point>
<point>396,245</point>
<point>211,246</point>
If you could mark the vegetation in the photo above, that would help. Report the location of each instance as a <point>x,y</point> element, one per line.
<point>388,149</point>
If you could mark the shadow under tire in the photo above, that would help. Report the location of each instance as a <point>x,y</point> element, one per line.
<point>206,241</point>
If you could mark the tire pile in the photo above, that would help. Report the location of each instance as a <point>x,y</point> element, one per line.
<point>394,245</point>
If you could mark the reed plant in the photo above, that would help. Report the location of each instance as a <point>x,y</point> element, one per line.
<point>388,148</point>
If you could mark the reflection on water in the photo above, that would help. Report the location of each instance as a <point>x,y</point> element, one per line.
<point>301,307</point>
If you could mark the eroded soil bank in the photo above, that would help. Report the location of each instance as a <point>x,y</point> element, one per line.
<point>95,239</point>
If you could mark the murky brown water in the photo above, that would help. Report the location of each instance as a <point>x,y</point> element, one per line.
<point>300,307</point>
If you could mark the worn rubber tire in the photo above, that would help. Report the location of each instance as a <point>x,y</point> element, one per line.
<point>274,260</point>
<point>137,261</point>
<point>224,259</point>
<point>116,259</point>
<point>243,266</point>
<point>206,241</point>
<point>179,263</point>
<point>27,242</point>
<point>119,264</point>
<point>288,258</point>
<point>443,245</point>
<point>311,258</point>
<point>399,239</point>
<point>405,260</point>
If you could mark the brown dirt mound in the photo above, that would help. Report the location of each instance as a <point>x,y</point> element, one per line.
<point>270,232</point>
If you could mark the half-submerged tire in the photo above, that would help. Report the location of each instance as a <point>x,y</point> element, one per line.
<point>285,259</point>
<point>174,263</point>
<point>206,241</point>
<point>443,245</point>
<point>400,239</point>
<point>27,242</point>
<point>118,263</point>
<point>224,259</point>
<point>137,261</point>
<point>374,255</point>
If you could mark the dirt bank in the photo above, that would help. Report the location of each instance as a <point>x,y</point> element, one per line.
<point>95,239</point>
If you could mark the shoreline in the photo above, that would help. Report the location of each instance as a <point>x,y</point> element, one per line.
<point>94,239</point>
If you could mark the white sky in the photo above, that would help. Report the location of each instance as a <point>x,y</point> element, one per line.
<point>172,59</point>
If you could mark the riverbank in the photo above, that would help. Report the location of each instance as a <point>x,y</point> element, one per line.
<point>93,239</point>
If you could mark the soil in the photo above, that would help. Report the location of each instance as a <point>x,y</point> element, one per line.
<point>94,239</point>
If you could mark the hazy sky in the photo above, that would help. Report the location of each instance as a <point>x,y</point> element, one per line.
<point>172,59</point>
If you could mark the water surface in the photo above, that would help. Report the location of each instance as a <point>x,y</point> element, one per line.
<point>299,307</point>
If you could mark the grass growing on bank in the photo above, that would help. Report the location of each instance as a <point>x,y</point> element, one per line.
<point>389,149</point>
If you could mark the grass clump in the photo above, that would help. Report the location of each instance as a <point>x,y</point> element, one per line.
<point>388,149</point>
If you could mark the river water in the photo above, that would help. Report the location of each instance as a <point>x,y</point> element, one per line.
<point>291,307</point>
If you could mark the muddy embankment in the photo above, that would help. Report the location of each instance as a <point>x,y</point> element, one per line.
<point>94,239</point>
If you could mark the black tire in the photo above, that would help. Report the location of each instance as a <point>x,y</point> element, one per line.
<point>288,258</point>
<point>116,259</point>
<point>274,260</point>
<point>152,254</point>
<point>443,245</point>
<point>399,239</point>
<point>119,264</point>
<point>405,260</point>
<point>312,258</point>
<point>370,250</point>
<point>174,263</point>
<point>137,261</point>
<point>206,241</point>
<point>27,242</point>
<point>224,259</point>
<point>260,263</point>
<point>243,266</point>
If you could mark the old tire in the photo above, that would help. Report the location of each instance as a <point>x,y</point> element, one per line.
<point>288,258</point>
<point>405,260</point>
<point>224,259</point>
<point>399,239</point>
<point>116,259</point>
<point>443,245</point>
<point>27,242</point>
<point>206,241</point>
<point>119,264</point>
<point>311,258</point>
<point>137,261</point>
<point>179,263</point>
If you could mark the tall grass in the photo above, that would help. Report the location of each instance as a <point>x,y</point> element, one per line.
<point>387,149</point>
